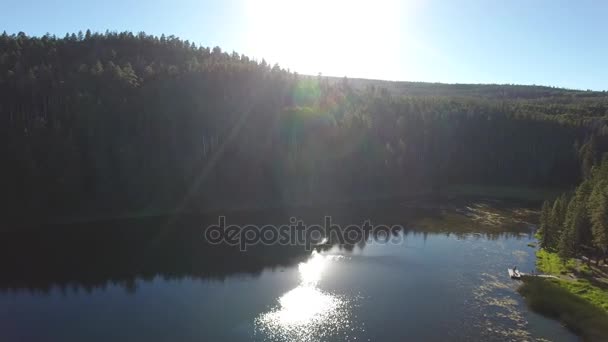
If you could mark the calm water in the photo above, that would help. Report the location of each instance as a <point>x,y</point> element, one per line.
<point>133,282</point>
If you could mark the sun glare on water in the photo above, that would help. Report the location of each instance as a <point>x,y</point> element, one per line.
<point>334,37</point>
<point>307,313</point>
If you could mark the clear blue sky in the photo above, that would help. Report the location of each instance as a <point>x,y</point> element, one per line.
<point>557,43</point>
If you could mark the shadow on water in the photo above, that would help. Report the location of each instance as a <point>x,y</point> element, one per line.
<point>96,255</point>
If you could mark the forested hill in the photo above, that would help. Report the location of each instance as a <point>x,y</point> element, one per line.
<point>494,91</point>
<point>122,122</point>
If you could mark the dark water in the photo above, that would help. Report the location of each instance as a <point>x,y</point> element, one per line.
<point>161,282</point>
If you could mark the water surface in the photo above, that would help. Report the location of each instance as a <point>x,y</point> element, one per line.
<point>150,281</point>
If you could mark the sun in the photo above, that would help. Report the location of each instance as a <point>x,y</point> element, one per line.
<point>333,37</point>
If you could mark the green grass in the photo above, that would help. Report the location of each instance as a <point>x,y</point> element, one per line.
<point>559,299</point>
<point>577,303</point>
<point>584,289</point>
<point>550,263</point>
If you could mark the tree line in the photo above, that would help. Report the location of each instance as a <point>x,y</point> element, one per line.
<point>577,224</point>
<point>118,122</point>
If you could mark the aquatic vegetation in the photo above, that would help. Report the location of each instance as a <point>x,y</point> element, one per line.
<point>501,312</point>
<point>478,216</point>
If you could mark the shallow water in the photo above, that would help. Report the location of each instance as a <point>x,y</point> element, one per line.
<point>428,287</point>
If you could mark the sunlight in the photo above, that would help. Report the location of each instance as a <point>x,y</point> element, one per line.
<point>303,305</point>
<point>306,313</point>
<point>311,271</point>
<point>332,37</point>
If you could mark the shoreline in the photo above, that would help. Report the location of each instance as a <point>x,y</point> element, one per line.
<point>577,302</point>
<point>416,200</point>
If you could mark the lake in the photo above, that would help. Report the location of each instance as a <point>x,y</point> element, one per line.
<point>442,277</point>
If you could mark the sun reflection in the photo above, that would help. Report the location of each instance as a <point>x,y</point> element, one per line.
<point>307,313</point>
<point>311,271</point>
<point>304,305</point>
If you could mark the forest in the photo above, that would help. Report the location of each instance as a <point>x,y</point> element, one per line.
<point>576,224</point>
<point>115,122</point>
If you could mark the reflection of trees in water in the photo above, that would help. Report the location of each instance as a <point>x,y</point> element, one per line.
<point>95,258</point>
<point>97,255</point>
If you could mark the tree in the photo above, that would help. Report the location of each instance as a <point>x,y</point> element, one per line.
<point>567,247</point>
<point>97,69</point>
<point>588,155</point>
<point>576,234</point>
<point>556,220</point>
<point>128,75</point>
<point>117,122</point>
<point>545,230</point>
<point>599,217</point>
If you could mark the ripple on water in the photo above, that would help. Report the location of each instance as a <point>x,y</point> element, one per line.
<point>520,255</point>
<point>501,317</point>
<point>307,314</point>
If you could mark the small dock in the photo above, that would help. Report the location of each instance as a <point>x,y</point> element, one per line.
<point>514,274</point>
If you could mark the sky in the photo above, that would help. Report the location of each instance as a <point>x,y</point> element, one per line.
<point>555,43</point>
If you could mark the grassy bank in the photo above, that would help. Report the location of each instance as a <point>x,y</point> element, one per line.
<point>550,263</point>
<point>586,284</point>
<point>578,297</point>
<point>549,297</point>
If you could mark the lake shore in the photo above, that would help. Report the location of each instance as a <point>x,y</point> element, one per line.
<point>577,297</point>
<point>421,199</point>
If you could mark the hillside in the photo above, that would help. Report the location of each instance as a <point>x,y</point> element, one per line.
<point>493,91</point>
<point>114,122</point>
